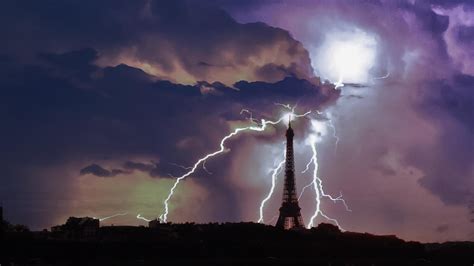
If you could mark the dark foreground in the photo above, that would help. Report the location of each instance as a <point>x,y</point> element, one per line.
<point>225,244</point>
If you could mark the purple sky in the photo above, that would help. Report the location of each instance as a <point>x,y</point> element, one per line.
<point>101,101</point>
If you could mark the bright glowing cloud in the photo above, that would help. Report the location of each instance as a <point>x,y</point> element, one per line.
<point>345,56</point>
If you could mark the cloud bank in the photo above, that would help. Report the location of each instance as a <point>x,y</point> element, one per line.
<point>138,91</point>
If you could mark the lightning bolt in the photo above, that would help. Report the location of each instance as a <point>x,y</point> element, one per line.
<point>305,187</point>
<point>383,77</point>
<point>334,134</point>
<point>205,168</point>
<point>247,111</point>
<point>287,106</point>
<point>111,216</point>
<point>339,83</point>
<point>306,169</point>
<point>189,168</point>
<point>318,187</point>
<point>181,166</point>
<point>140,217</point>
<point>263,125</point>
<point>308,165</point>
<point>275,173</point>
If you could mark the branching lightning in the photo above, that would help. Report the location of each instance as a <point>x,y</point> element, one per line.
<point>308,165</point>
<point>259,127</point>
<point>205,168</point>
<point>181,166</point>
<point>318,186</point>
<point>305,187</point>
<point>287,106</point>
<point>316,181</point>
<point>250,118</point>
<point>275,172</point>
<point>190,167</point>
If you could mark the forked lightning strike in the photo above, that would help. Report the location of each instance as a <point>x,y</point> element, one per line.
<point>276,171</point>
<point>318,187</point>
<point>258,128</point>
<point>304,188</point>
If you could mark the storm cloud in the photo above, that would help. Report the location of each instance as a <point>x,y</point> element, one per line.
<point>104,103</point>
<point>414,124</point>
<point>181,41</point>
<point>98,170</point>
<point>62,109</point>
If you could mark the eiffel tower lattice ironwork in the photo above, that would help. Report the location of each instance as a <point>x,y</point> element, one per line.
<point>290,211</point>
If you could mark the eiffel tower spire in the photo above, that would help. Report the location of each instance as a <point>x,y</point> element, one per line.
<point>290,212</point>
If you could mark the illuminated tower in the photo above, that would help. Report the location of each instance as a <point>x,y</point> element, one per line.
<point>290,211</point>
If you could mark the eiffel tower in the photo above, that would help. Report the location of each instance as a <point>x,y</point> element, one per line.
<point>290,211</point>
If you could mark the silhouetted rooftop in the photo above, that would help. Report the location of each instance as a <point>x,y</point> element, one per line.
<point>240,243</point>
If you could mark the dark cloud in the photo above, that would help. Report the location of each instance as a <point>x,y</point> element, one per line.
<point>97,170</point>
<point>450,3</point>
<point>139,166</point>
<point>65,109</point>
<point>163,81</point>
<point>431,22</point>
<point>465,35</point>
<point>183,41</point>
<point>151,169</point>
<point>83,83</point>
<point>449,167</point>
<point>453,97</point>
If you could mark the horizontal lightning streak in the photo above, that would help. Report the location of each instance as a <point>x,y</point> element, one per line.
<point>111,216</point>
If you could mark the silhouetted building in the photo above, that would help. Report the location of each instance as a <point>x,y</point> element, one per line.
<point>77,227</point>
<point>290,211</point>
<point>3,225</point>
<point>154,223</point>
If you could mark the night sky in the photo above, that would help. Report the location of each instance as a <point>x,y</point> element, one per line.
<point>105,103</point>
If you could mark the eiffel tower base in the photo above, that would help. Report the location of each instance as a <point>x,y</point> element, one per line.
<point>290,217</point>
